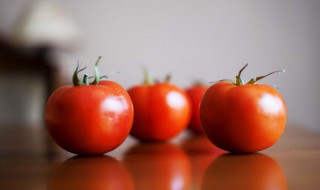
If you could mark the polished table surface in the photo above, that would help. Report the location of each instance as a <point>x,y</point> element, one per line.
<point>30,160</point>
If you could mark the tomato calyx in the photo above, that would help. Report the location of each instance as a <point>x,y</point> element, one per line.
<point>198,83</point>
<point>167,78</point>
<point>239,81</point>
<point>149,80</point>
<point>75,79</point>
<point>85,81</point>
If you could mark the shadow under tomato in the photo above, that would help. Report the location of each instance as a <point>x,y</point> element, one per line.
<point>158,166</point>
<point>244,171</point>
<point>90,173</point>
<point>201,152</point>
<point>200,145</point>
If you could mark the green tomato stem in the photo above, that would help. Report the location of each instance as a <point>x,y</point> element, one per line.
<point>167,78</point>
<point>239,80</point>
<point>75,79</point>
<point>96,71</point>
<point>252,81</point>
<point>148,79</point>
<point>85,79</point>
<point>77,82</point>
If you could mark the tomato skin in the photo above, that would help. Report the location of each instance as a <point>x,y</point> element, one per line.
<point>89,119</point>
<point>243,119</point>
<point>195,94</point>
<point>162,111</point>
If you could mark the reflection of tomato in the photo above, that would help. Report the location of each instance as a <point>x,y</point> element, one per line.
<point>89,119</point>
<point>242,172</point>
<point>158,166</point>
<point>161,111</point>
<point>243,117</point>
<point>95,173</point>
<point>201,152</point>
<point>195,94</point>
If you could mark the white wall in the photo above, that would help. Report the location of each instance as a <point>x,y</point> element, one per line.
<point>200,39</point>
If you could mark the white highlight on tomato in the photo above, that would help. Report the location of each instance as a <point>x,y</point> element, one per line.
<point>114,104</point>
<point>271,104</point>
<point>177,182</point>
<point>175,100</point>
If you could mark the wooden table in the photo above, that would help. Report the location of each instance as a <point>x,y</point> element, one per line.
<point>30,160</point>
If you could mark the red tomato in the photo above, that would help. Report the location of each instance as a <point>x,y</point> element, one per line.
<point>195,94</point>
<point>162,111</point>
<point>241,117</point>
<point>89,119</point>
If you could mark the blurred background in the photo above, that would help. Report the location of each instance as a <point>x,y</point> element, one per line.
<point>41,43</point>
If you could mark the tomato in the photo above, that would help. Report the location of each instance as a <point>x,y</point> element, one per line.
<point>243,118</point>
<point>158,166</point>
<point>162,111</point>
<point>249,171</point>
<point>195,94</point>
<point>89,119</point>
<point>96,173</point>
